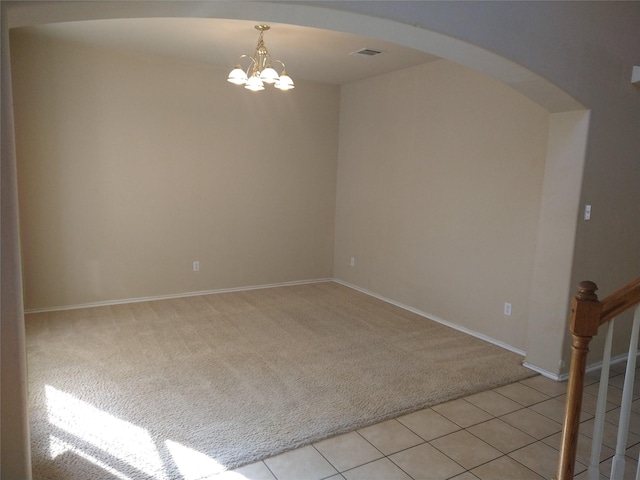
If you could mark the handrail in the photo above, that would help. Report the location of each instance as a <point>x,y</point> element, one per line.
<point>587,315</point>
<point>620,301</point>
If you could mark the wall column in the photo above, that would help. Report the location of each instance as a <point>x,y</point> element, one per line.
<point>15,450</point>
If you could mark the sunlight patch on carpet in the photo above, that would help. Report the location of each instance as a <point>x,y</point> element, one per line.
<point>90,428</point>
<point>188,388</point>
<point>60,447</point>
<point>193,465</point>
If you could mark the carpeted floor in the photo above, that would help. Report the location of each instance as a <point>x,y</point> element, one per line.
<point>185,388</point>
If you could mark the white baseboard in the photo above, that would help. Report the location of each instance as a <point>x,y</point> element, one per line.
<point>560,378</point>
<point>594,367</point>
<point>176,295</point>
<point>284,284</point>
<point>543,372</point>
<point>473,333</point>
<point>553,376</point>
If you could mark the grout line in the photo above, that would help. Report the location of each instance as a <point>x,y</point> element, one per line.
<point>338,472</point>
<point>542,441</point>
<point>400,468</point>
<point>270,471</point>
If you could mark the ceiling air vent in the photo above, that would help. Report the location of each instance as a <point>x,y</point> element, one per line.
<point>367,52</point>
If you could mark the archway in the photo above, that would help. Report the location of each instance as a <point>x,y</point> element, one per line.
<point>566,148</point>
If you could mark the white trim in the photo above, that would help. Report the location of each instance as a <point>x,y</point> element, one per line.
<point>286,284</point>
<point>473,333</point>
<point>594,367</point>
<point>543,372</point>
<point>176,295</point>
<point>559,378</point>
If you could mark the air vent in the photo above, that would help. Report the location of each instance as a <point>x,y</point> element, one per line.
<point>367,52</point>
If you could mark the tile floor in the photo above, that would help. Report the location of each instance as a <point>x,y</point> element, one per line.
<point>511,432</point>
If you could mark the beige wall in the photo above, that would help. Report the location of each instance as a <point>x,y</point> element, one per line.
<point>559,216</point>
<point>439,192</point>
<point>586,49</point>
<point>132,167</point>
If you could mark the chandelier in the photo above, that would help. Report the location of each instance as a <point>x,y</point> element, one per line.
<point>260,69</point>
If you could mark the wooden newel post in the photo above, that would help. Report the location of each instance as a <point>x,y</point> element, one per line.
<point>583,325</point>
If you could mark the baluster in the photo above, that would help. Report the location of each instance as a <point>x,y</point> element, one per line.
<point>598,425</point>
<point>617,469</point>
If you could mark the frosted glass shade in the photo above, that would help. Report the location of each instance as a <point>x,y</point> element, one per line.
<point>237,76</point>
<point>254,84</point>
<point>269,75</point>
<point>285,82</point>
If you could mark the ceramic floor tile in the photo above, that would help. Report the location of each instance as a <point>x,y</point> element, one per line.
<point>465,476</point>
<point>428,423</point>
<point>583,452</point>
<point>501,435</point>
<point>614,394</point>
<point>493,403</point>
<point>505,468</point>
<point>589,404</point>
<point>348,451</point>
<point>254,471</point>
<point>522,394</point>
<point>390,436</point>
<point>630,467</point>
<point>546,385</point>
<point>450,449</point>
<point>541,458</point>
<point>462,413</point>
<point>382,469</point>
<point>532,423</point>
<point>613,416</point>
<point>554,409</point>
<point>591,378</point>
<point>620,367</point>
<point>618,381</point>
<point>609,434</point>
<point>305,463</point>
<point>425,462</point>
<point>585,476</point>
<point>633,452</point>
<point>466,449</point>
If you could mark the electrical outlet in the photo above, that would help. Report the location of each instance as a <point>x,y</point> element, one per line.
<point>353,261</point>
<point>587,212</point>
<point>507,309</point>
<point>196,266</point>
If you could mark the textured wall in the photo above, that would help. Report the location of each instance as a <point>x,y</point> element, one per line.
<point>132,167</point>
<point>586,48</point>
<point>439,190</point>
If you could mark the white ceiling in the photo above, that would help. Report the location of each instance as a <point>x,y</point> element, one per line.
<point>309,53</point>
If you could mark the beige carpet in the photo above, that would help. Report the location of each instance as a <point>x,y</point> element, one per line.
<point>185,388</point>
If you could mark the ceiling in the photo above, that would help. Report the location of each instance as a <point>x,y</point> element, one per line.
<point>309,53</point>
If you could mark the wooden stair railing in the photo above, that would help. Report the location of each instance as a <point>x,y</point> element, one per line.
<point>587,315</point>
